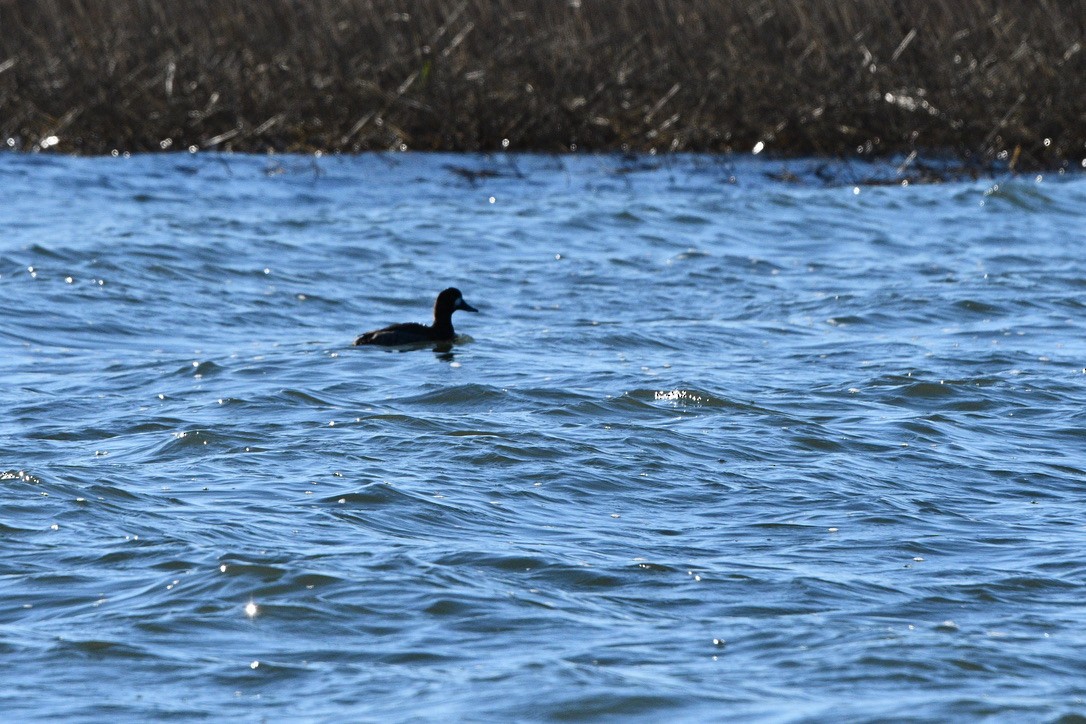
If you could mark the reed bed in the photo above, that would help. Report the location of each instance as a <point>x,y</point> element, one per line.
<point>986,81</point>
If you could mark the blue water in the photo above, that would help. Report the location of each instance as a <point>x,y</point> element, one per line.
<point>717,447</point>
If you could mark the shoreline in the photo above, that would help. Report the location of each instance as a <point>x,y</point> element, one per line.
<point>476,167</point>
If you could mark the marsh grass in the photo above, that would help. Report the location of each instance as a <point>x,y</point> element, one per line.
<point>984,80</point>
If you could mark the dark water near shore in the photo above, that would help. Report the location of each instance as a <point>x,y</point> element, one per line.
<point>717,447</point>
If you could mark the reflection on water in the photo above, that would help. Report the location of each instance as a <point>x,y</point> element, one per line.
<point>444,352</point>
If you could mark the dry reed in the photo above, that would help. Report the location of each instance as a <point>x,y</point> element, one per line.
<point>983,80</point>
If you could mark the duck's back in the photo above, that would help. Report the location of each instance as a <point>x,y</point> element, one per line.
<point>397,334</point>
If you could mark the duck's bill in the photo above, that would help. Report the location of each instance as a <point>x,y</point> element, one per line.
<point>461,304</point>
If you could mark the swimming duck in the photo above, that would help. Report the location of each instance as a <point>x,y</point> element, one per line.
<point>413,333</point>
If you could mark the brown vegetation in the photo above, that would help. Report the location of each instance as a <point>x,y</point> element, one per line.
<point>976,78</point>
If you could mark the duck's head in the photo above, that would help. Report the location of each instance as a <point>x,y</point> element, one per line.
<point>449,301</point>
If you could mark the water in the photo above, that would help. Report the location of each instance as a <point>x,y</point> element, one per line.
<point>718,447</point>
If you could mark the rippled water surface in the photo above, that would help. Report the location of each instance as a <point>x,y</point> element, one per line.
<point>717,447</point>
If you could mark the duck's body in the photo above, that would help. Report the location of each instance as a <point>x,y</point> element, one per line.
<point>399,334</point>
<point>413,333</point>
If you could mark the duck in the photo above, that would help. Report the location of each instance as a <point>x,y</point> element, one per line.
<point>413,333</point>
